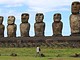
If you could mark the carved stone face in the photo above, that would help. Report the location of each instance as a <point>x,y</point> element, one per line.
<point>1,19</point>
<point>75,7</point>
<point>57,17</point>
<point>24,17</point>
<point>39,17</point>
<point>11,20</point>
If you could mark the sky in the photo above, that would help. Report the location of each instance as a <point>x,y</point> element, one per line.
<point>47,7</point>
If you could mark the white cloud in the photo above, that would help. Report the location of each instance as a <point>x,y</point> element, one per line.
<point>39,5</point>
<point>15,5</point>
<point>48,5</point>
<point>11,1</point>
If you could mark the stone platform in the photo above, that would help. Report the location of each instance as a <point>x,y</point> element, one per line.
<point>48,41</point>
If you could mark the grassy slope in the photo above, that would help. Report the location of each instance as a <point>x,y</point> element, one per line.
<point>29,54</point>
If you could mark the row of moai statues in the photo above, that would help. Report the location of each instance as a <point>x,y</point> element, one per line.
<point>39,26</point>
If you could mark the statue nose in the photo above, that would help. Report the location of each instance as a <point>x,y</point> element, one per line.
<point>75,5</point>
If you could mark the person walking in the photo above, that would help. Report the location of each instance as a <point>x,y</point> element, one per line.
<point>38,51</point>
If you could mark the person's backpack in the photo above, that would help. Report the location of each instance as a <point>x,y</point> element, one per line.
<point>39,49</point>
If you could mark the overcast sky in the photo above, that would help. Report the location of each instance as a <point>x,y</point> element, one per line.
<point>47,7</point>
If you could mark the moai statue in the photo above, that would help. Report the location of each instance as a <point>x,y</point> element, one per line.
<point>75,19</point>
<point>57,25</point>
<point>39,26</point>
<point>11,27</point>
<point>24,26</point>
<point>1,27</point>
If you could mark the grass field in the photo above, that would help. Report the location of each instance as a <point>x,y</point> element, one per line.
<point>29,54</point>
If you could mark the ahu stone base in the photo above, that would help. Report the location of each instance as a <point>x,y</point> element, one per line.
<point>48,41</point>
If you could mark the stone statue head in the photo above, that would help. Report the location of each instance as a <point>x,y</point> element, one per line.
<point>25,17</point>
<point>75,7</point>
<point>57,17</point>
<point>11,20</point>
<point>1,19</point>
<point>39,17</point>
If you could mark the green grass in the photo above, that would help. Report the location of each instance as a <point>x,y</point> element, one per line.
<point>29,54</point>
<point>36,58</point>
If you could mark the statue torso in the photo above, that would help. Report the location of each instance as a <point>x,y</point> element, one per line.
<point>75,23</point>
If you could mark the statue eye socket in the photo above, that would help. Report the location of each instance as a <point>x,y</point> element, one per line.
<point>27,14</point>
<point>72,3</point>
<point>22,14</point>
<point>54,14</point>
<point>77,3</point>
<point>36,14</point>
<point>9,17</point>
<point>58,14</point>
<point>1,17</point>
